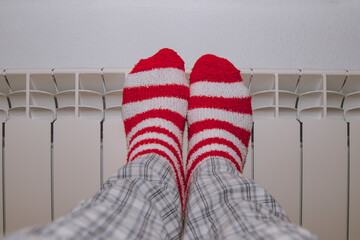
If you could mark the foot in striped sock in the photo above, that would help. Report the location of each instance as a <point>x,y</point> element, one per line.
<point>155,103</point>
<point>220,113</point>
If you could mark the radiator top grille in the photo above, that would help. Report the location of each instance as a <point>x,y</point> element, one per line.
<point>97,93</point>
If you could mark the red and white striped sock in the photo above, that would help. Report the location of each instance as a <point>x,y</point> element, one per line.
<point>219,115</point>
<point>155,103</point>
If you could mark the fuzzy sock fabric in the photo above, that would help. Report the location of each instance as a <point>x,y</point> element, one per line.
<point>154,108</point>
<point>219,115</point>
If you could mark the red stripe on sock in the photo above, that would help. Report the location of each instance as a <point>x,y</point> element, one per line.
<point>164,155</point>
<point>136,94</point>
<point>211,68</point>
<point>242,134</point>
<point>213,153</point>
<point>160,142</point>
<point>209,141</point>
<point>165,114</point>
<point>160,130</point>
<point>165,58</point>
<point>238,105</point>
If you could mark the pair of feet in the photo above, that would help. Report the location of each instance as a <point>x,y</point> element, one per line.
<point>158,98</point>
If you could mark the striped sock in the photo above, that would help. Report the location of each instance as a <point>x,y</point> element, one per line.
<point>220,113</point>
<point>155,102</point>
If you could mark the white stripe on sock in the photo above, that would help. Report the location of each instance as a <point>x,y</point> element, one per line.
<point>157,77</point>
<point>174,104</point>
<point>159,136</point>
<point>237,119</point>
<point>211,133</point>
<point>153,146</point>
<point>155,122</point>
<point>214,146</point>
<point>215,89</point>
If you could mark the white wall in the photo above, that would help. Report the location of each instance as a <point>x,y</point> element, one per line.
<point>112,33</point>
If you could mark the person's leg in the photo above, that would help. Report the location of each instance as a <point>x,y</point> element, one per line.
<point>140,202</point>
<point>143,200</point>
<point>222,204</point>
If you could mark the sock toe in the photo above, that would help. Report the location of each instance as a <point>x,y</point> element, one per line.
<point>214,69</point>
<point>165,58</point>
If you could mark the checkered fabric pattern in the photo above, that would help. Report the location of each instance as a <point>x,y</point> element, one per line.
<point>223,204</point>
<point>142,201</point>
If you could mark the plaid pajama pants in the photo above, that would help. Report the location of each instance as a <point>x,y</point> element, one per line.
<point>141,201</point>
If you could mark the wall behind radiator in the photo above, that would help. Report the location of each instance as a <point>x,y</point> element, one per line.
<point>110,33</point>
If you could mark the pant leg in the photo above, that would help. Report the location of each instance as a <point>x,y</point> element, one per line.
<point>223,204</point>
<point>141,201</point>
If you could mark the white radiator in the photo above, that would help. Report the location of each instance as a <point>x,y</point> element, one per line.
<point>63,137</point>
